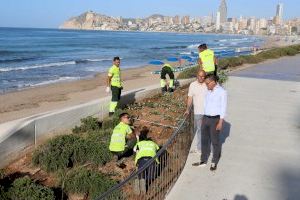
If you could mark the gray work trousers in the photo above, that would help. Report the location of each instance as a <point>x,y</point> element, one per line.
<point>209,135</point>
<point>197,129</point>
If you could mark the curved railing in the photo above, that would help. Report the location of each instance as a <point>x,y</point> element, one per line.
<point>153,180</point>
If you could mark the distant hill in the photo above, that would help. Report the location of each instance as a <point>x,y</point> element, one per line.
<point>91,21</point>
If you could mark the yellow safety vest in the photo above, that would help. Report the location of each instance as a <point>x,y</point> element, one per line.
<point>146,149</point>
<point>208,60</point>
<point>118,137</point>
<point>115,73</point>
<point>168,65</point>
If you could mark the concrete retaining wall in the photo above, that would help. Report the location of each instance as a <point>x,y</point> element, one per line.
<point>17,135</point>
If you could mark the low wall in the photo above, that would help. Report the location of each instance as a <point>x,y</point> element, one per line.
<point>17,135</point>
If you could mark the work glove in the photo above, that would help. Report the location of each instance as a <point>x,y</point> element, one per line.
<point>107,89</point>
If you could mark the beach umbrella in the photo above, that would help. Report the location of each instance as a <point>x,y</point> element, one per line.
<point>156,62</point>
<point>194,54</point>
<point>172,59</point>
<point>185,57</point>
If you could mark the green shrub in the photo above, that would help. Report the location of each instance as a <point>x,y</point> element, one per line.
<point>251,59</point>
<point>25,188</point>
<point>57,153</point>
<point>86,181</point>
<point>111,122</point>
<point>68,150</point>
<point>87,124</point>
<point>3,193</point>
<point>188,73</point>
<point>290,51</point>
<point>222,76</point>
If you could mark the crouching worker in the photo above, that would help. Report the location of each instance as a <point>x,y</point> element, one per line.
<point>145,150</point>
<point>122,139</point>
<point>167,69</point>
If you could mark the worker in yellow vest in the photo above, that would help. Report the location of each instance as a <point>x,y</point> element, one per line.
<point>167,69</point>
<point>207,60</point>
<point>145,150</point>
<point>122,139</point>
<point>114,84</point>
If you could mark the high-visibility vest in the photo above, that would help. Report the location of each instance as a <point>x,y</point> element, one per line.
<point>208,60</point>
<point>115,73</point>
<point>146,148</point>
<point>118,137</point>
<point>168,65</point>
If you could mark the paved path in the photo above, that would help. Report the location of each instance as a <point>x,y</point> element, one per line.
<point>261,151</point>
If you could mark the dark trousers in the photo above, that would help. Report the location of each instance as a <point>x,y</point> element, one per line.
<point>209,135</point>
<point>128,150</point>
<point>116,93</point>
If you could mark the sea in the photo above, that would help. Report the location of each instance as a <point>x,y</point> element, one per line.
<point>34,57</point>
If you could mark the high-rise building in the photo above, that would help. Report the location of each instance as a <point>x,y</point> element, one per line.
<point>185,20</point>
<point>218,21</point>
<point>176,19</point>
<point>279,12</point>
<point>223,11</point>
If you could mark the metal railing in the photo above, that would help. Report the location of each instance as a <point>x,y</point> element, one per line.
<point>155,179</point>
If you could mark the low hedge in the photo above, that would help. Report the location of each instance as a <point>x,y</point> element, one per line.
<point>65,151</point>
<point>25,188</point>
<point>86,181</point>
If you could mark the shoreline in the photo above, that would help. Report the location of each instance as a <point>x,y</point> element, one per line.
<point>34,100</point>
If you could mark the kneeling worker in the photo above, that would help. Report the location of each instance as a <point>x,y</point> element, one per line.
<point>145,150</point>
<point>122,139</point>
<point>167,69</point>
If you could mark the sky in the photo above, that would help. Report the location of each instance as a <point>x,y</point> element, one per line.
<point>52,13</point>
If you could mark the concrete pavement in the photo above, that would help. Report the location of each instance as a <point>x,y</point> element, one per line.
<point>260,153</point>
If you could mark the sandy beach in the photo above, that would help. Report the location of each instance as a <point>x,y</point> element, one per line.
<point>19,104</point>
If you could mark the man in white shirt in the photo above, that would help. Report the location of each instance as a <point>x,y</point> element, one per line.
<point>196,96</point>
<point>214,112</point>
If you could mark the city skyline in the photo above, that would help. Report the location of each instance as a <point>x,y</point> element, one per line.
<point>16,13</point>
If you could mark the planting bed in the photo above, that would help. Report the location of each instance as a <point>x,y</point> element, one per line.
<point>79,165</point>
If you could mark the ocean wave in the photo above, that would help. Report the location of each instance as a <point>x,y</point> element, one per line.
<point>232,39</point>
<point>185,53</point>
<point>8,69</point>
<point>16,60</point>
<point>193,46</point>
<point>60,79</point>
<point>169,47</point>
<point>91,60</point>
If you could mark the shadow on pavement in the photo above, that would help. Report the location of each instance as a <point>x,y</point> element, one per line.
<point>240,197</point>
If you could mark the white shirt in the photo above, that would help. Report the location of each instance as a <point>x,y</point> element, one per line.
<point>216,102</point>
<point>198,92</point>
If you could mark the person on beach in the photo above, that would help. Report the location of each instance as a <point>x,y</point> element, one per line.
<point>122,139</point>
<point>214,112</point>
<point>145,150</point>
<point>114,84</point>
<point>196,96</point>
<point>167,69</point>
<point>207,60</point>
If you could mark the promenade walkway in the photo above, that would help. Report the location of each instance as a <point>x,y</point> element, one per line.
<point>261,142</point>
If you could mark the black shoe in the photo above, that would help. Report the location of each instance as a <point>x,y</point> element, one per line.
<point>200,164</point>
<point>110,114</point>
<point>213,167</point>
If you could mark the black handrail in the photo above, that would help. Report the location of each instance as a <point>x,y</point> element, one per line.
<point>150,162</point>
